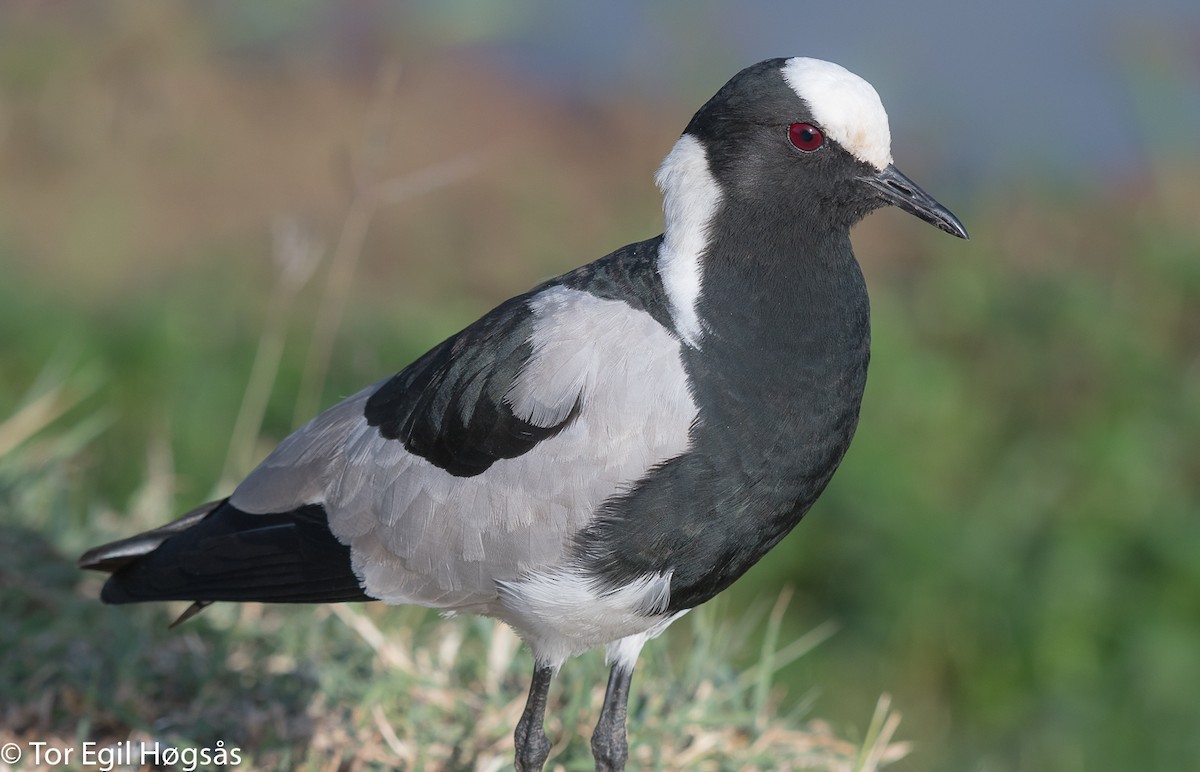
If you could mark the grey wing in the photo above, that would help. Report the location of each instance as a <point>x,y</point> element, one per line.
<point>480,462</point>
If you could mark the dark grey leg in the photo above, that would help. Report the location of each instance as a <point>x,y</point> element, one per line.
<point>609,746</point>
<point>530,737</point>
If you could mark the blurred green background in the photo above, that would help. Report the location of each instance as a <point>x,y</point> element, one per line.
<point>198,200</point>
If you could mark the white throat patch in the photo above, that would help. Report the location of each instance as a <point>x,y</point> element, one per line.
<point>845,106</point>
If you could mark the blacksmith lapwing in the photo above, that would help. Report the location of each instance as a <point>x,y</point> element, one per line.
<point>590,460</point>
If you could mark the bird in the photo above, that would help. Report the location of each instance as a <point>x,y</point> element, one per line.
<point>590,460</point>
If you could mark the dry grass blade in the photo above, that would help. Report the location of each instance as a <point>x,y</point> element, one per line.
<point>877,748</point>
<point>345,263</point>
<point>460,715</point>
<point>389,655</point>
<point>398,746</point>
<point>368,194</point>
<point>296,254</point>
<point>32,417</point>
<point>28,420</point>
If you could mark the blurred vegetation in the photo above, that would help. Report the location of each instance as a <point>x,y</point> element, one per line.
<point>1010,550</point>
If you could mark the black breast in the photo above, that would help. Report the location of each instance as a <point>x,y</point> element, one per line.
<point>778,381</point>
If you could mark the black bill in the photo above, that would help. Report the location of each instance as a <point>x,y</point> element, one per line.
<point>899,190</point>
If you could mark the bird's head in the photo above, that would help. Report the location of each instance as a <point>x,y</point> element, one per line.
<point>800,138</point>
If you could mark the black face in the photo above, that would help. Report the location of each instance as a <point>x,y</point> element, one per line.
<point>769,153</point>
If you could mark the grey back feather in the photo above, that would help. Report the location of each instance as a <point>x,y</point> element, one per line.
<point>419,534</point>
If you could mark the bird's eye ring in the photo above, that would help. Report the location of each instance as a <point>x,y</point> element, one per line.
<point>805,137</point>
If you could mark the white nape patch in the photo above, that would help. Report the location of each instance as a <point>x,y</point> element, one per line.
<point>563,613</point>
<point>845,106</point>
<point>690,199</point>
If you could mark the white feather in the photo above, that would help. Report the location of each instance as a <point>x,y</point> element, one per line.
<point>624,652</point>
<point>565,612</point>
<point>847,107</point>
<point>690,199</point>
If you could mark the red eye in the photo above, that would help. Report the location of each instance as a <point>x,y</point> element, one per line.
<point>805,136</point>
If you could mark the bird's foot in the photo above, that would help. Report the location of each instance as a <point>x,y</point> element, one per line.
<point>609,748</point>
<point>533,747</point>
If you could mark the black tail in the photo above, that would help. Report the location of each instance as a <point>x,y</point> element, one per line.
<point>218,552</point>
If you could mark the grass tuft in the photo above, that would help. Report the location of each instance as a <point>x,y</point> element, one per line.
<point>372,687</point>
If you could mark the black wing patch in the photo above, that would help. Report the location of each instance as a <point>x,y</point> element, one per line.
<point>449,406</point>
